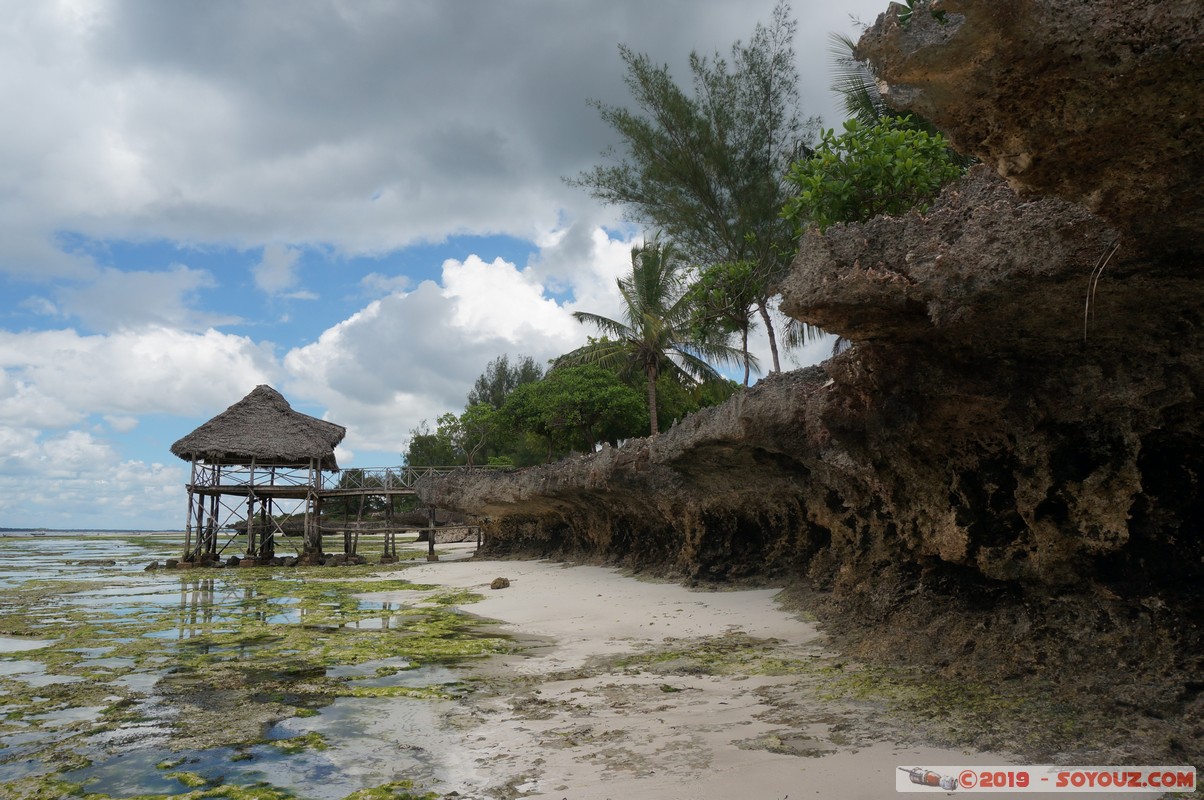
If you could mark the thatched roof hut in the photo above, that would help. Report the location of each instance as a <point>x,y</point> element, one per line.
<point>262,428</point>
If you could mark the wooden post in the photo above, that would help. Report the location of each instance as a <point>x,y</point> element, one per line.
<point>188,519</point>
<point>313,528</point>
<point>252,550</point>
<point>430,535</point>
<point>200,529</point>
<point>214,509</point>
<point>269,530</point>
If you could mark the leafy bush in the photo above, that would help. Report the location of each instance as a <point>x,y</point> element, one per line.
<point>887,168</point>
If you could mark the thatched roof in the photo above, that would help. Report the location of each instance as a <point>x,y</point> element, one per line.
<point>263,426</point>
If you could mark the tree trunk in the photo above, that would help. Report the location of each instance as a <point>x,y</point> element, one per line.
<point>650,371</point>
<point>773,342</point>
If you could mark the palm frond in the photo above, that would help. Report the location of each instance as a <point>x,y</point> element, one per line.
<point>796,333</point>
<point>605,325</point>
<point>855,83</point>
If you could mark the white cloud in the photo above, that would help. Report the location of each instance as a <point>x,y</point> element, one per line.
<point>495,301</point>
<point>74,480</point>
<point>409,357</point>
<point>121,423</point>
<point>54,379</point>
<point>40,306</point>
<point>56,471</point>
<point>376,283</point>
<point>277,269</point>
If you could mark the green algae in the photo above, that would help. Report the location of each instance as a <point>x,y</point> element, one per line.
<point>398,790</point>
<point>45,788</point>
<point>457,598</point>
<point>188,779</point>
<point>313,740</point>
<point>230,651</point>
<point>730,654</point>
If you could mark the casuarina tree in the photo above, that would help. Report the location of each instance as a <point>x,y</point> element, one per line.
<point>708,167</point>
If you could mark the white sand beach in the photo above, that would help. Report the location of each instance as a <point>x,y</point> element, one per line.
<point>605,711</point>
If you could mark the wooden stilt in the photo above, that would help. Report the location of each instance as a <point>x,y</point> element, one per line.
<point>268,537</point>
<point>188,520</point>
<point>200,530</point>
<point>252,550</point>
<point>430,535</point>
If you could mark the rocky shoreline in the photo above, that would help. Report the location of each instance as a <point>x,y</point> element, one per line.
<point>1000,479</point>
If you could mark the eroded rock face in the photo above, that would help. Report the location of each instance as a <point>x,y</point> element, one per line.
<point>1003,475</point>
<point>1096,102</point>
<point>978,424</point>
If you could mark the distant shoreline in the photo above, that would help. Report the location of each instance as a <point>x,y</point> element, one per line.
<point>87,530</point>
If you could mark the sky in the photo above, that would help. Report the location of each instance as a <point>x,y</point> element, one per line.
<point>358,202</point>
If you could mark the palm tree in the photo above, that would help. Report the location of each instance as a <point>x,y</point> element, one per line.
<point>656,337</point>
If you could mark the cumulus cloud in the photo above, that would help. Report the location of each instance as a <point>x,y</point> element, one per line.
<point>55,470</point>
<point>75,480</point>
<point>364,126</point>
<point>409,357</point>
<point>54,379</point>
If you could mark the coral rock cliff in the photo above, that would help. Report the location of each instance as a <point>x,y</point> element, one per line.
<point>1003,474</point>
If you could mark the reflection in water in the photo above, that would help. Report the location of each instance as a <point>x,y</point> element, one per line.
<point>196,608</point>
<point>109,625</point>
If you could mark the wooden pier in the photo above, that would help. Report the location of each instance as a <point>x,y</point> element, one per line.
<point>285,506</point>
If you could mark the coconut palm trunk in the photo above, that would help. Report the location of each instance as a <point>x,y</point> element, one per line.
<point>650,371</point>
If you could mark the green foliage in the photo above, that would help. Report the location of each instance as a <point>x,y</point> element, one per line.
<point>722,299</point>
<point>707,168</point>
<point>676,399</point>
<point>469,432</point>
<point>429,448</point>
<point>480,434</point>
<point>911,6</point>
<point>501,377</point>
<point>886,168</point>
<point>575,407</point>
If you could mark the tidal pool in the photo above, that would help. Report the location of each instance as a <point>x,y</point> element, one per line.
<point>262,683</point>
<point>16,644</point>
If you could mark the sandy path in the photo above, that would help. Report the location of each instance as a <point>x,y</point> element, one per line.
<point>569,722</point>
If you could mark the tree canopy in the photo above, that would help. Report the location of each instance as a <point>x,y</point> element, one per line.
<point>575,407</point>
<point>502,377</point>
<point>708,168</point>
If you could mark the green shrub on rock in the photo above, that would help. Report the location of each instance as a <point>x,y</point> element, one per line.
<point>868,170</point>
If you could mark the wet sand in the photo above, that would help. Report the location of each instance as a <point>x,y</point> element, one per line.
<point>607,710</point>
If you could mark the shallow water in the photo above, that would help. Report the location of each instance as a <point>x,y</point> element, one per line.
<point>108,673</point>
<point>15,644</point>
